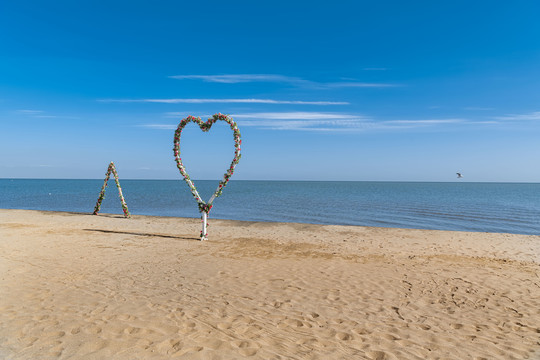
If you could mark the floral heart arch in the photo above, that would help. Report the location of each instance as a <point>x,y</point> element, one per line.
<point>204,207</point>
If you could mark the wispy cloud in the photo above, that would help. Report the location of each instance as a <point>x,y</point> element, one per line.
<point>40,114</point>
<point>520,117</point>
<point>478,108</point>
<point>486,122</point>
<point>276,78</point>
<point>29,112</point>
<point>306,121</point>
<point>296,115</point>
<point>314,121</point>
<point>426,122</point>
<point>177,114</point>
<point>159,126</point>
<point>229,101</point>
<point>332,122</point>
<point>293,115</point>
<point>309,125</point>
<point>345,84</point>
<point>309,121</point>
<point>242,78</point>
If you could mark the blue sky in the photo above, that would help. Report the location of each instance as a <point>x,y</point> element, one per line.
<point>343,90</point>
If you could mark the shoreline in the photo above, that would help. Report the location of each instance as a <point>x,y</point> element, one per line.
<point>272,222</point>
<point>85,286</point>
<point>526,249</point>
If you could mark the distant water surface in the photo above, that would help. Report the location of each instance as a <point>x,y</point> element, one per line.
<point>491,207</point>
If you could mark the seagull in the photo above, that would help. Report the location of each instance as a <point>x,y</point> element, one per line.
<point>459,175</point>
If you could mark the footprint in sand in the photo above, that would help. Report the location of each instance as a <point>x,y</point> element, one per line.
<point>314,315</point>
<point>92,346</point>
<point>224,326</point>
<point>188,328</point>
<point>132,330</point>
<point>214,344</point>
<point>333,295</point>
<point>190,350</point>
<point>40,317</point>
<point>53,335</point>
<point>57,350</point>
<point>308,341</point>
<point>361,331</point>
<point>295,323</point>
<point>389,337</point>
<point>343,336</point>
<point>144,343</point>
<point>246,348</point>
<point>405,343</point>
<point>92,329</point>
<point>125,317</point>
<point>169,347</point>
<point>376,355</point>
<point>248,352</point>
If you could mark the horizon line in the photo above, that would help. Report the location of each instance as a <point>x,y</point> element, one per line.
<point>294,180</point>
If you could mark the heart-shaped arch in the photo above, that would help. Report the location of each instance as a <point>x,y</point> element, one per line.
<point>204,207</point>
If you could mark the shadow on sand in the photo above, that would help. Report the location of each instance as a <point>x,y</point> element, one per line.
<point>141,234</point>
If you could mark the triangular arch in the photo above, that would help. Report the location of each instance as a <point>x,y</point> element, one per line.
<point>112,169</point>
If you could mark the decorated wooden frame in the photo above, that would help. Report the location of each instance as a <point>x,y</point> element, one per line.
<point>111,169</point>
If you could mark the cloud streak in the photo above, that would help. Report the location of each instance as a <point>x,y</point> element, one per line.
<point>40,114</point>
<point>242,78</point>
<point>296,115</point>
<point>520,117</point>
<point>426,122</point>
<point>326,122</point>
<point>29,112</point>
<point>478,108</point>
<point>316,121</point>
<point>224,101</point>
<point>345,84</point>
<point>276,78</point>
<point>309,125</point>
<point>322,122</point>
<point>159,126</point>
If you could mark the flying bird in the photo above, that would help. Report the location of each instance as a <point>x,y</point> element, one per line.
<point>459,175</point>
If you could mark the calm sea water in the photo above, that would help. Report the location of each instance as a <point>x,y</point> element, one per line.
<point>492,207</point>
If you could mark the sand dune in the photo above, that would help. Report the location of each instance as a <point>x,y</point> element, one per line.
<point>78,286</point>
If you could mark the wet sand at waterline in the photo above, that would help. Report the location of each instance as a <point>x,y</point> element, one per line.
<point>79,286</point>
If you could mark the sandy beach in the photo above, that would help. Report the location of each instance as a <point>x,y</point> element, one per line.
<point>79,286</point>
